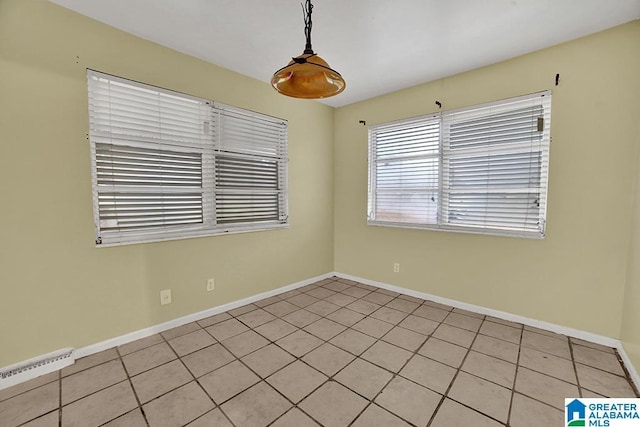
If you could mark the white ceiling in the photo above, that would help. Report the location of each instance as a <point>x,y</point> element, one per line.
<point>379,46</point>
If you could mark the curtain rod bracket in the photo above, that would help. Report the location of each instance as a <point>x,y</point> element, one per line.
<point>439,104</point>
<point>364,123</point>
<point>557,79</point>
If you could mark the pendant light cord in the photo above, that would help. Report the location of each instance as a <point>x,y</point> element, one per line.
<point>308,50</point>
<point>307,75</point>
<point>306,10</point>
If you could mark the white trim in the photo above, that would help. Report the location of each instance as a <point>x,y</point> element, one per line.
<point>143,333</point>
<point>36,367</point>
<point>552,327</point>
<point>564,330</point>
<point>633,373</point>
<point>132,336</point>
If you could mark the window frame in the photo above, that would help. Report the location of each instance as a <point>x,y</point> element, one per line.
<point>445,119</point>
<point>246,142</point>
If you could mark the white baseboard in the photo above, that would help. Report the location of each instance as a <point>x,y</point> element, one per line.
<point>143,333</point>
<point>587,336</point>
<point>51,364</point>
<point>564,330</point>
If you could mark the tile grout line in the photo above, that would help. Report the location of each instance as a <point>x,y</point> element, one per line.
<point>236,359</point>
<point>533,370</point>
<point>61,406</point>
<point>393,374</point>
<point>575,368</point>
<point>329,378</point>
<point>545,374</point>
<point>178,358</point>
<point>60,398</point>
<point>135,393</point>
<point>326,341</point>
<point>194,379</point>
<point>574,362</point>
<point>93,392</point>
<point>515,378</point>
<point>627,375</point>
<point>308,289</point>
<point>455,376</point>
<point>299,359</point>
<point>296,358</point>
<point>261,379</point>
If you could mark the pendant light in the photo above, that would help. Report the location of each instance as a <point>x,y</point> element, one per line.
<point>308,75</point>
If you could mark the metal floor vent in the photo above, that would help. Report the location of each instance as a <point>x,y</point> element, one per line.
<point>33,368</point>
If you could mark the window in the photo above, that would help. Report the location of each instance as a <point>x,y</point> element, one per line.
<point>167,165</point>
<point>481,169</point>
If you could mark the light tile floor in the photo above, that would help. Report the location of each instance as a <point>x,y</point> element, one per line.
<point>334,353</point>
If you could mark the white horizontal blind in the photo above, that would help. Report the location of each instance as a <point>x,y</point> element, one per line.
<point>495,163</point>
<point>251,172</point>
<point>172,184</point>
<point>404,169</point>
<point>156,158</point>
<point>481,169</point>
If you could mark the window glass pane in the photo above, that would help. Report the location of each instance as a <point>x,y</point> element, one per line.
<point>407,207</point>
<point>415,174</point>
<point>483,171</point>
<point>404,171</point>
<point>510,211</point>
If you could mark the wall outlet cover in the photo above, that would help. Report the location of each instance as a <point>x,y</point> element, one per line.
<point>165,297</point>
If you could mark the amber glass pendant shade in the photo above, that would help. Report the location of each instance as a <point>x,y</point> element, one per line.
<point>308,75</point>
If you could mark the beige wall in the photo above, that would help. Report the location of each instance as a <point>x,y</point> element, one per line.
<point>631,311</point>
<point>576,276</point>
<point>58,290</point>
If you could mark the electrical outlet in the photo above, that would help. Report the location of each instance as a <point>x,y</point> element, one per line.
<point>211,285</point>
<point>396,267</point>
<point>165,297</point>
